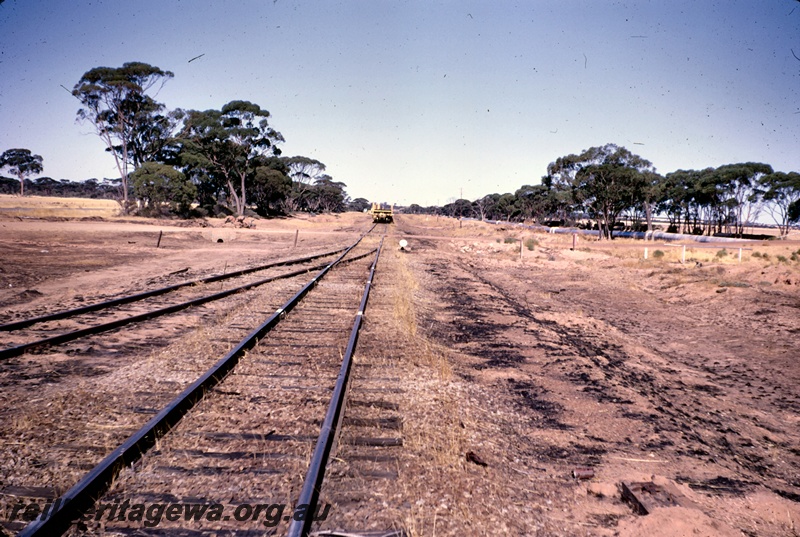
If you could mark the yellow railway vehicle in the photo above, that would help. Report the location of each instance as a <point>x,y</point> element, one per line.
<point>382,213</point>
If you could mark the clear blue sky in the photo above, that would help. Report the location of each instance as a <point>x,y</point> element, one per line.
<point>412,101</point>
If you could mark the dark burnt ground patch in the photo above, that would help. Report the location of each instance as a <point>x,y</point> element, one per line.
<point>694,420</point>
<point>571,454</point>
<point>718,485</point>
<point>475,320</point>
<point>532,397</point>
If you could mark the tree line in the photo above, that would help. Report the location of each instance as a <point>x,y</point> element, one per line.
<point>65,188</point>
<point>192,162</point>
<point>606,185</point>
<point>186,162</point>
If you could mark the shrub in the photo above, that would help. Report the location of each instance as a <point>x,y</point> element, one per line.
<point>782,259</point>
<point>756,254</point>
<point>509,240</point>
<point>658,254</point>
<point>722,253</point>
<point>530,243</point>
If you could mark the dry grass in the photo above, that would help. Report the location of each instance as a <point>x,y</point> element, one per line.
<point>43,207</point>
<point>433,429</point>
<point>405,285</point>
<point>428,354</point>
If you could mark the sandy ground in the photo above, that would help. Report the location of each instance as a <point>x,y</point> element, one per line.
<point>682,375</point>
<point>517,374</point>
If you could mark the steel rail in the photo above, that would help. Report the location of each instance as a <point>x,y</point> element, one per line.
<point>18,350</point>
<point>16,325</point>
<point>329,433</point>
<point>94,484</point>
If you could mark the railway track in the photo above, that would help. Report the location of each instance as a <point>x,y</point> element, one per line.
<point>245,435</point>
<point>37,332</point>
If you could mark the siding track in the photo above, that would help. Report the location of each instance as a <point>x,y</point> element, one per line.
<point>244,431</point>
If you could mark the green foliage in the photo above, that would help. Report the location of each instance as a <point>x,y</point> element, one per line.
<point>326,195</point>
<point>782,194</point>
<point>714,199</point>
<point>781,259</point>
<point>304,172</point>
<point>269,185</point>
<point>756,254</point>
<point>531,243</point>
<point>738,188</point>
<point>359,205</point>
<point>657,254</point>
<point>540,202</point>
<point>116,103</point>
<point>47,186</point>
<point>793,212</point>
<point>159,186</point>
<point>21,163</point>
<point>722,253</point>
<point>604,181</point>
<point>509,240</point>
<point>224,148</point>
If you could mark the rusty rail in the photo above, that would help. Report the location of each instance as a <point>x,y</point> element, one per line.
<point>16,325</point>
<point>93,485</point>
<point>309,494</point>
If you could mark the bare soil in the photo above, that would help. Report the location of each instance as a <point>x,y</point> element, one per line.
<point>684,375</point>
<point>510,376</point>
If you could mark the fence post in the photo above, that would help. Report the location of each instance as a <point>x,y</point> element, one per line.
<point>683,257</point>
<point>645,252</point>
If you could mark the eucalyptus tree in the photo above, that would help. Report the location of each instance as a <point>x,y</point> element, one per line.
<point>116,103</point>
<point>540,202</point>
<point>269,185</point>
<point>226,145</point>
<point>359,205</point>
<point>159,185</point>
<point>507,207</point>
<point>485,207</point>
<point>781,193</point>
<point>651,193</point>
<point>458,208</point>
<point>740,190</point>
<point>327,195</point>
<point>693,201</point>
<point>604,181</point>
<point>304,172</point>
<point>22,163</point>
